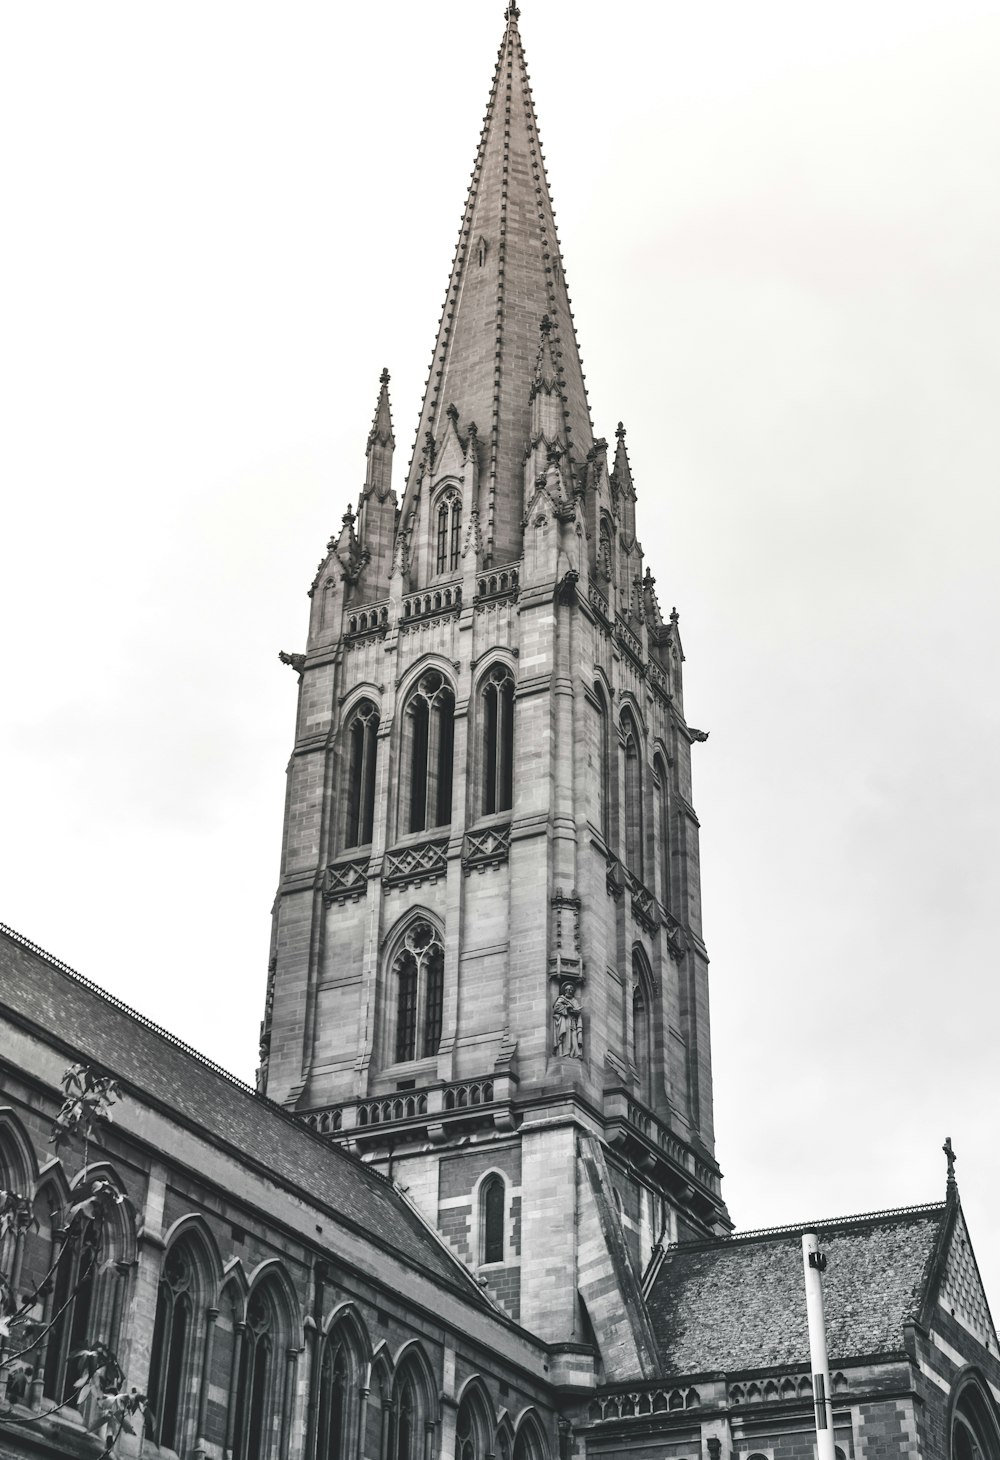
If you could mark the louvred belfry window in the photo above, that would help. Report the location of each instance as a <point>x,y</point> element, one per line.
<point>497,701</point>
<point>362,740</point>
<point>418,969</point>
<point>428,736</point>
<point>632,805</point>
<point>449,532</point>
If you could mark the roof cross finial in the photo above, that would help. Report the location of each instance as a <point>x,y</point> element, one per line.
<point>951,1158</point>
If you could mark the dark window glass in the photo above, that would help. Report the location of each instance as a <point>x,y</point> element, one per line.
<point>404,1421</point>
<point>419,972</point>
<point>633,801</point>
<point>332,1403</point>
<point>406,1017</point>
<point>429,753</point>
<point>498,740</point>
<point>362,742</point>
<point>492,1207</point>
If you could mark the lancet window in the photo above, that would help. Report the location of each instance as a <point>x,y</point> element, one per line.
<point>632,804</point>
<point>418,974</point>
<point>663,827</point>
<point>492,1202</point>
<point>497,710</point>
<point>173,1334</point>
<point>257,1403</point>
<point>428,751</point>
<point>362,742</point>
<point>449,531</point>
<point>334,1401</point>
<point>641,1027</point>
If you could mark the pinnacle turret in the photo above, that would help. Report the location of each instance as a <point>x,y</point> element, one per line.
<point>381,444</point>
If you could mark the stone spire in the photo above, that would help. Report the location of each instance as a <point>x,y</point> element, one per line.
<point>507,276</point>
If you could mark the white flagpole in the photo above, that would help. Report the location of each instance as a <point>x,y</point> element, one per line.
<point>813,1263</point>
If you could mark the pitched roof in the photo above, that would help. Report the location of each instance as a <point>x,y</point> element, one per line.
<point>39,990</point>
<point>739,1302</point>
<point>506,276</point>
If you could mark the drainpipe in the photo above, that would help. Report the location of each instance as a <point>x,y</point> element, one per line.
<point>814,1264</point>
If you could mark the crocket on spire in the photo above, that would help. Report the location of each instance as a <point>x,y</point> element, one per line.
<point>507,275</point>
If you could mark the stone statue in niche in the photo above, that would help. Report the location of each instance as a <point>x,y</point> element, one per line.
<point>567,1023</point>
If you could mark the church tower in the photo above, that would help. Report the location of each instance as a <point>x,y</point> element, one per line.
<point>487,975</point>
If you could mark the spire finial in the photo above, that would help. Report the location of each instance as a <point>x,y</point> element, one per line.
<point>951,1158</point>
<point>511,14</point>
<point>620,432</point>
<point>384,377</point>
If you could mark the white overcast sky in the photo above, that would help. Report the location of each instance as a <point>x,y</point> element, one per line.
<point>781,227</point>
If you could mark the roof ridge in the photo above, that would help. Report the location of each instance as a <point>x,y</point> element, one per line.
<point>241,1085</point>
<point>855,1219</point>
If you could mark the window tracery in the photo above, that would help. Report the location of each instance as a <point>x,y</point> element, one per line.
<point>497,708</point>
<point>362,740</point>
<point>418,972</point>
<point>257,1404</point>
<point>173,1332</point>
<point>428,752</point>
<point>334,1398</point>
<point>492,1204</point>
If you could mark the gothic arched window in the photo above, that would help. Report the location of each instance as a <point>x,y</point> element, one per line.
<point>497,704</point>
<point>492,1201</point>
<point>663,827</point>
<point>258,1401</point>
<point>632,805</point>
<point>334,1397</point>
<point>642,1008</point>
<point>411,1421</point>
<point>449,530</point>
<point>418,972</point>
<point>362,740</point>
<point>974,1431</point>
<point>173,1332</point>
<point>466,1447</point>
<point>429,735</point>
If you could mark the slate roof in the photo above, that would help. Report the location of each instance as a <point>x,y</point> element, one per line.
<point>739,1302</point>
<point>39,990</point>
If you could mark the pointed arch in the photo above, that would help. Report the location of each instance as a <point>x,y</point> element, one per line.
<point>206,1247</point>
<point>661,797</point>
<point>18,1166</point>
<point>632,800</point>
<point>189,1281</point>
<point>427,740</point>
<point>503,1439</point>
<point>344,1361</point>
<point>475,1423</point>
<point>266,1345</point>
<point>414,1411</point>
<point>530,1441</point>
<point>599,703</point>
<point>490,1202</point>
<point>413,988</point>
<point>973,1430</point>
<point>359,762</point>
<point>494,698</point>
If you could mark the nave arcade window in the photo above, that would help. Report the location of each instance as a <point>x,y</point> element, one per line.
<point>449,529</point>
<point>172,1334</point>
<point>362,741</point>
<point>497,707</point>
<point>257,1404</point>
<point>333,1402</point>
<point>418,970</point>
<point>428,736</point>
